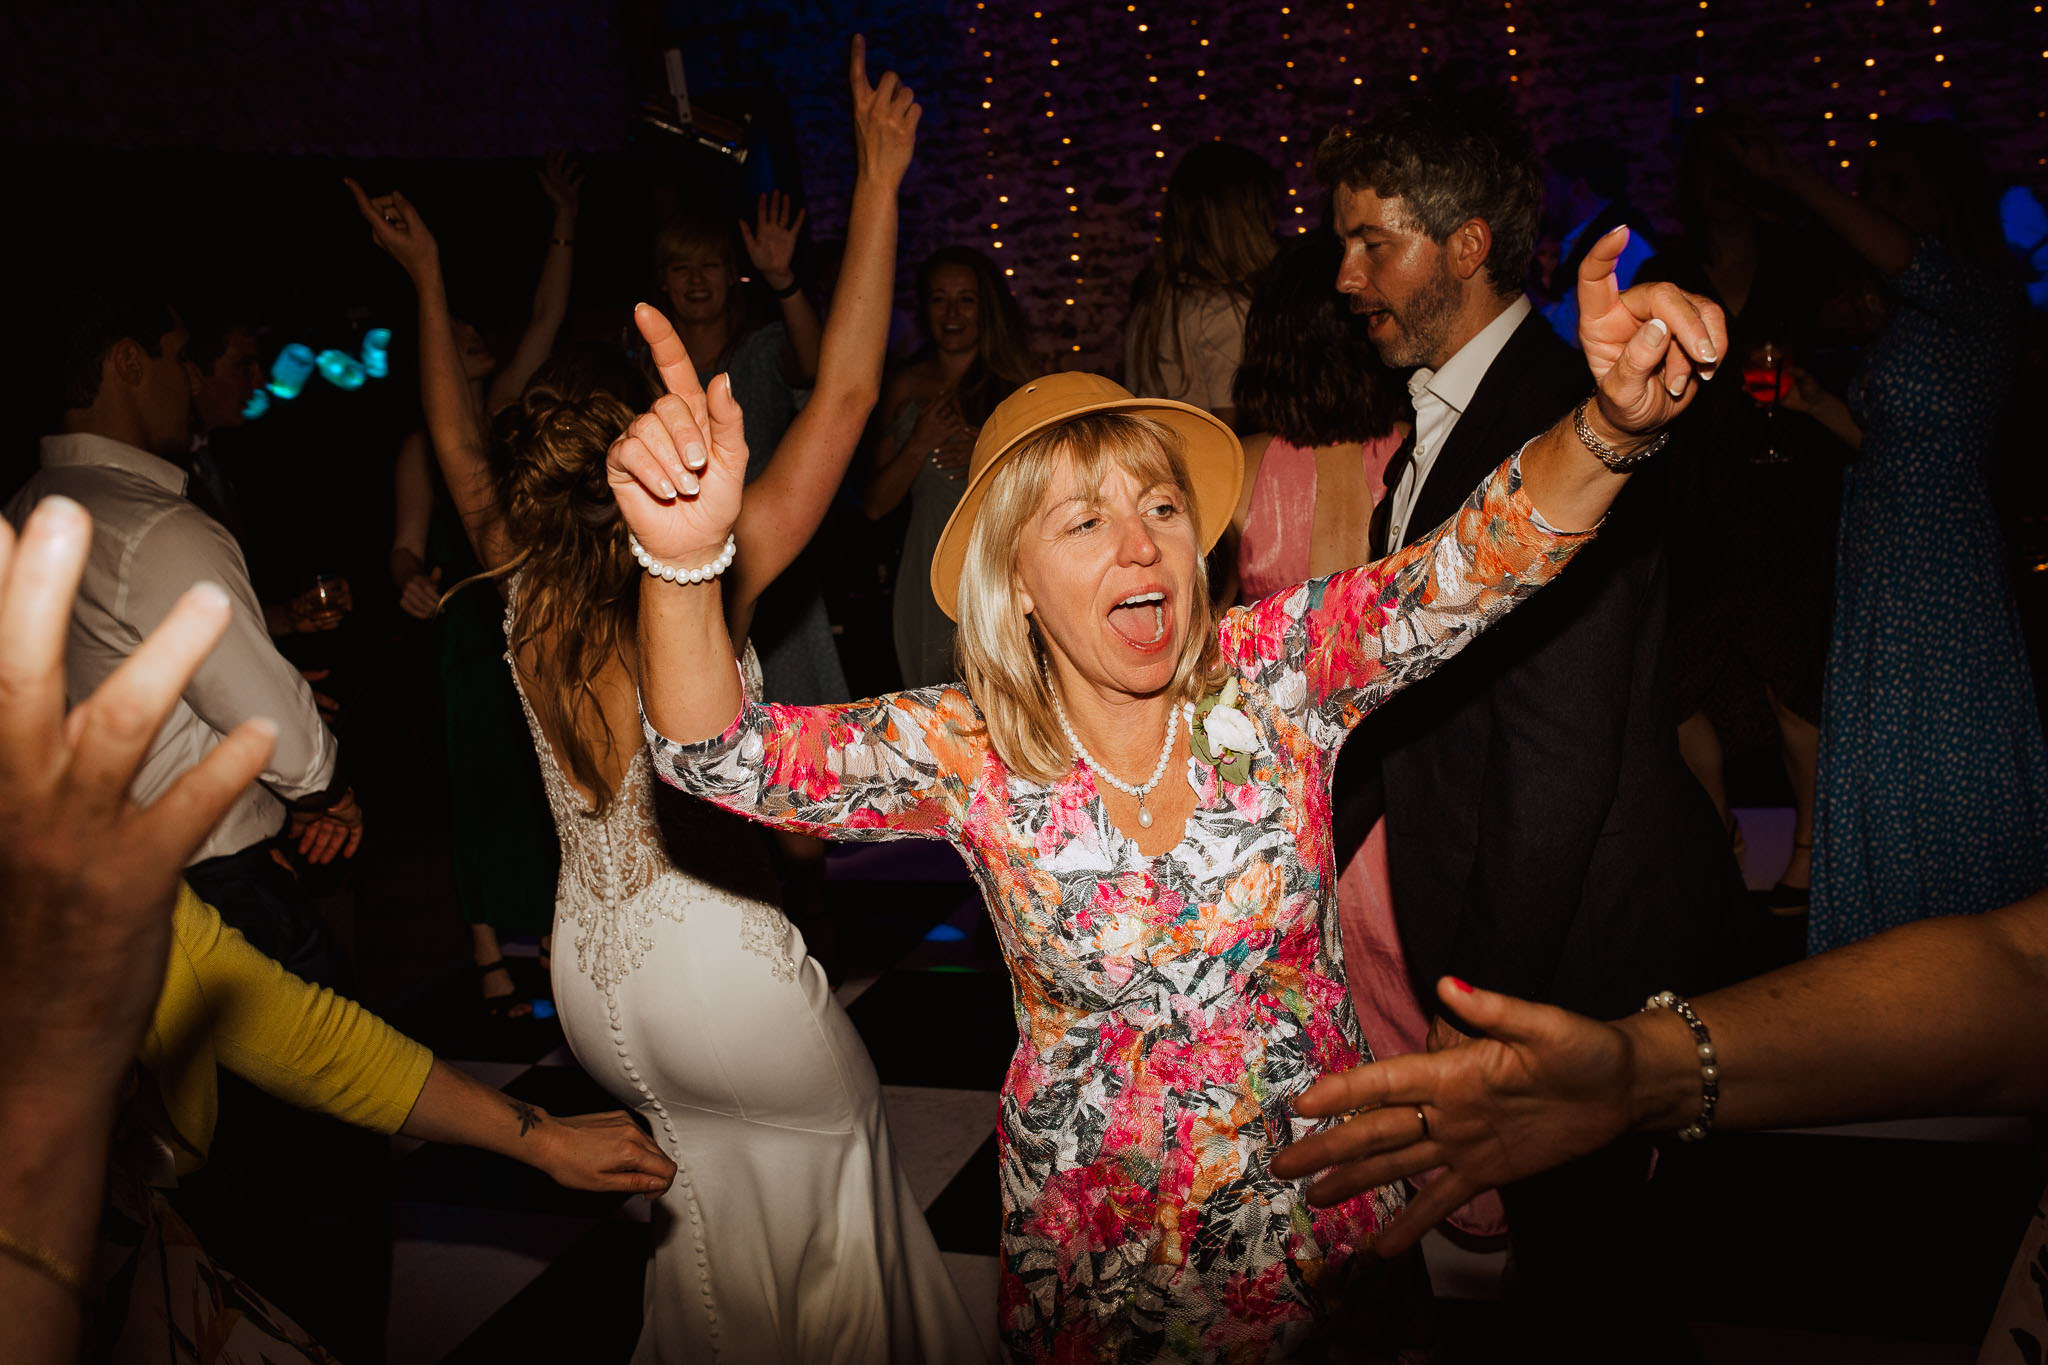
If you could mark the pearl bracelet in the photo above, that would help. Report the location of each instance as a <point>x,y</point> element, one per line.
<point>669,573</point>
<point>1710,1070</point>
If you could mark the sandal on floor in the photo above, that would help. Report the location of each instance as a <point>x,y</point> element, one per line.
<point>506,1006</point>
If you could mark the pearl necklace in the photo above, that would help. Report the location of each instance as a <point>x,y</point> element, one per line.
<point>1088,760</point>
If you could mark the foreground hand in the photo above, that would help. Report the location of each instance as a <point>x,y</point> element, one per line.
<point>395,225</point>
<point>1648,348</point>
<point>771,241</point>
<point>324,835</point>
<point>678,470</point>
<point>885,119</point>
<point>600,1152</point>
<point>87,878</point>
<point>1546,1086</point>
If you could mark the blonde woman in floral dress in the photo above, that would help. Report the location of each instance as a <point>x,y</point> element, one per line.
<point>1177,972</point>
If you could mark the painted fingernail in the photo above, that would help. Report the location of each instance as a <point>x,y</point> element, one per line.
<point>66,513</point>
<point>1706,349</point>
<point>1461,985</point>
<point>1657,329</point>
<point>690,484</point>
<point>1676,390</point>
<point>668,490</point>
<point>209,593</point>
<point>694,457</point>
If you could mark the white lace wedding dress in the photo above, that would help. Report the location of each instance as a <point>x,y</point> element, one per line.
<point>790,1234</point>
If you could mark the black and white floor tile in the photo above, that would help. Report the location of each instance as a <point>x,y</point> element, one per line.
<point>1875,1243</point>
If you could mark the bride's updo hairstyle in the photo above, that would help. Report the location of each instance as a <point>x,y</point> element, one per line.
<point>579,584</point>
<point>1001,651</point>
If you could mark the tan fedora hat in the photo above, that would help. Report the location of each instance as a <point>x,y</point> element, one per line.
<point>1209,448</point>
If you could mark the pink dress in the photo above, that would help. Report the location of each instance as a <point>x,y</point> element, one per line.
<point>1273,555</point>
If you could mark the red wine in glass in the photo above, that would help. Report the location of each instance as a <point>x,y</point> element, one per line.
<point>1764,378</point>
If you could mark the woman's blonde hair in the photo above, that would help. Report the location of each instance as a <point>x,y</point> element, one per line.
<point>1001,651</point>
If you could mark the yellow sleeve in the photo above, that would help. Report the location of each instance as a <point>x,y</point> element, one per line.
<point>299,1042</point>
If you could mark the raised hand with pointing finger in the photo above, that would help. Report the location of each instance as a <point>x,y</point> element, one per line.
<point>1646,346</point>
<point>678,470</point>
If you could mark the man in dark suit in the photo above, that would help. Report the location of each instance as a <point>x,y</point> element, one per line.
<point>1544,837</point>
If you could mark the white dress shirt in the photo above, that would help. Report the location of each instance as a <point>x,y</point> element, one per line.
<point>149,544</point>
<point>1441,397</point>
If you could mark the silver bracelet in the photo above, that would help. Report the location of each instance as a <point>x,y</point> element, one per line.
<point>1710,1068</point>
<point>669,573</point>
<point>1616,460</point>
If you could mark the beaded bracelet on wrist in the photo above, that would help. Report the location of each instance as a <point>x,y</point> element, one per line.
<point>1710,1067</point>
<point>1620,461</point>
<point>669,573</point>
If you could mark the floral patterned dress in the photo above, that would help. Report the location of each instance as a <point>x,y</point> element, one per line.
<point>1168,1009</point>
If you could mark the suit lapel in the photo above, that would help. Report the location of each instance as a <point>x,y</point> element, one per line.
<point>1476,444</point>
<point>1382,515</point>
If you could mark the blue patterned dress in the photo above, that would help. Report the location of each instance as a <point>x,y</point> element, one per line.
<point>1933,788</point>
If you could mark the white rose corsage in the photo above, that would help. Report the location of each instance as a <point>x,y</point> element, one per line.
<point>1224,737</point>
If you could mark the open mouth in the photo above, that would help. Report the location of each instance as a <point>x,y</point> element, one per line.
<point>1140,620</point>
<point>1376,320</point>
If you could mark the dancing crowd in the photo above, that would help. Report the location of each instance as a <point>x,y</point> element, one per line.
<point>1333,710</point>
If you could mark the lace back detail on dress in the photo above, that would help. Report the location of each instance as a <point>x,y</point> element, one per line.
<point>617,876</point>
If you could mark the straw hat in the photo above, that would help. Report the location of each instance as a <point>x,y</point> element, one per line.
<point>1209,448</point>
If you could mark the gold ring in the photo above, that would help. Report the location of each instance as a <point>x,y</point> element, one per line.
<point>1425,1122</point>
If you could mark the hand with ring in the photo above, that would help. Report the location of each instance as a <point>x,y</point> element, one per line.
<point>1542,1086</point>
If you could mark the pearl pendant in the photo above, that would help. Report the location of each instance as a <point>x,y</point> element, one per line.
<point>1144,816</point>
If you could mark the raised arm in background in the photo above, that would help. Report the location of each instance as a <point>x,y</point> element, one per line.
<point>1944,1016</point>
<point>453,423</point>
<point>562,180</point>
<point>419,587</point>
<point>785,504</point>
<point>771,246</point>
<point>88,881</point>
<point>1871,233</point>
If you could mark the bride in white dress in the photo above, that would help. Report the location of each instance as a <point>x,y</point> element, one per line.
<point>790,1233</point>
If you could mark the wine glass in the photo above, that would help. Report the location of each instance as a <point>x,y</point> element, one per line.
<point>327,602</point>
<point>1764,379</point>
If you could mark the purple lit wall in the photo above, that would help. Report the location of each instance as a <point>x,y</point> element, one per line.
<point>1064,161</point>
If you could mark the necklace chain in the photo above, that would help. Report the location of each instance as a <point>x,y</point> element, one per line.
<point>1173,717</point>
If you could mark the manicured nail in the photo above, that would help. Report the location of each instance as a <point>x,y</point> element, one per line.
<point>690,484</point>
<point>1706,349</point>
<point>1618,227</point>
<point>1676,390</point>
<point>694,457</point>
<point>1658,330</point>
<point>668,490</point>
<point>210,593</point>
<point>1461,985</point>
